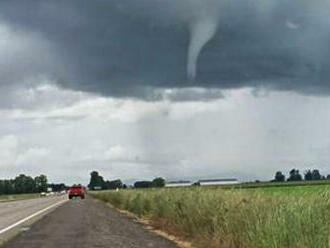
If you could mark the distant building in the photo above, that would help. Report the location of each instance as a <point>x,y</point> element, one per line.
<point>178,184</point>
<point>226,181</point>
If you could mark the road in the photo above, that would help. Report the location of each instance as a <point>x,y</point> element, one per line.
<point>11,213</point>
<point>87,223</point>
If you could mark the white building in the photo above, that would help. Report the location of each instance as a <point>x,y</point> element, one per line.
<point>178,184</point>
<point>227,181</point>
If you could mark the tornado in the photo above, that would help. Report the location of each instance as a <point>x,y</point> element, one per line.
<point>201,32</point>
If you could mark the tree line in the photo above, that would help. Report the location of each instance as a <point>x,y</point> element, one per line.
<point>98,183</point>
<point>294,175</point>
<point>23,184</point>
<point>158,182</point>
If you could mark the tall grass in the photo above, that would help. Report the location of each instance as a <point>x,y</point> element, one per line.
<point>212,218</point>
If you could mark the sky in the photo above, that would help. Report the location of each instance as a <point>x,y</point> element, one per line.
<point>180,89</point>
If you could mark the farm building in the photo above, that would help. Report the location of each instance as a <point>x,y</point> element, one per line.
<point>178,184</point>
<point>217,181</point>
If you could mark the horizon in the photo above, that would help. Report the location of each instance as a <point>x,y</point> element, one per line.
<point>131,181</point>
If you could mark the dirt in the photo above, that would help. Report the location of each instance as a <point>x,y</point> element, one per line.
<point>88,223</point>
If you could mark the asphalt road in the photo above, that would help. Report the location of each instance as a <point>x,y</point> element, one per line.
<point>87,223</point>
<point>14,211</point>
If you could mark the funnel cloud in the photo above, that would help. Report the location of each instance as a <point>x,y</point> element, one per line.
<point>201,32</point>
<point>125,48</point>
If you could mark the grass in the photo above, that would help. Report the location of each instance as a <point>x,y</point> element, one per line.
<point>270,217</point>
<point>17,197</point>
<point>280,184</point>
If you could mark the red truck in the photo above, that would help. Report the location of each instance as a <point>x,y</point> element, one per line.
<point>77,191</point>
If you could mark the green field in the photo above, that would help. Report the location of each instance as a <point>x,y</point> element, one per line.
<point>213,217</point>
<point>18,197</point>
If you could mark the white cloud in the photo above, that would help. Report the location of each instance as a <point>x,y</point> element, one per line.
<point>243,134</point>
<point>32,156</point>
<point>291,25</point>
<point>116,153</point>
<point>61,103</point>
<point>8,150</point>
<point>13,153</point>
<point>191,94</point>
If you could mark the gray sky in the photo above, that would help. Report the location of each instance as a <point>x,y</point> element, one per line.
<point>180,89</point>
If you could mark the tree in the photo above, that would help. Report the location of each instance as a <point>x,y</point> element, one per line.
<point>313,175</point>
<point>294,175</point>
<point>316,175</point>
<point>41,183</point>
<point>96,181</point>
<point>2,187</point>
<point>308,175</point>
<point>279,177</point>
<point>115,184</point>
<point>158,182</point>
<point>143,184</point>
<point>7,187</point>
<point>57,187</point>
<point>24,184</point>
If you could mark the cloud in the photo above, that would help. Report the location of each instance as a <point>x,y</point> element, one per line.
<point>125,48</point>
<point>13,154</point>
<point>116,153</point>
<point>39,93</point>
<point>8,146</point>
<point>243,135</point>
<point>32,156</point>
<point>190,94</point>
<point>81,106</point>
<point>25,57</point>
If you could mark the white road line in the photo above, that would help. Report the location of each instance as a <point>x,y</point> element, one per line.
<point>30,217</point>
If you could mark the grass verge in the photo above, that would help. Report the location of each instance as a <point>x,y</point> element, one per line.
<point>295,217</point>
<point>4,198</point>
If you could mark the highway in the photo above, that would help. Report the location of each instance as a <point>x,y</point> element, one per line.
<point>15,211</point>
<point>77,223</point>
<point>15,214</point>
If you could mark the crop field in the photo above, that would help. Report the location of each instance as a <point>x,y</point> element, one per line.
<point>213,217</point>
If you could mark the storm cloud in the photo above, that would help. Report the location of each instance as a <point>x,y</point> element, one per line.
<point>126,48</point>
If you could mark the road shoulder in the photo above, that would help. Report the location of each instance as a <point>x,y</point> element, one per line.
<point>147,225</point>
<point>88,223</point>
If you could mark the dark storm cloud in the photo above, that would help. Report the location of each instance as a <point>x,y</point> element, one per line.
<point>127,47</point>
